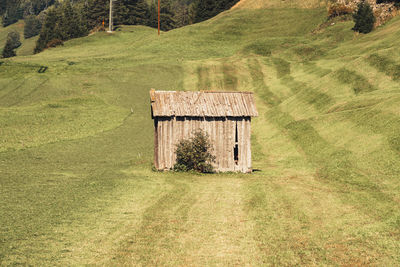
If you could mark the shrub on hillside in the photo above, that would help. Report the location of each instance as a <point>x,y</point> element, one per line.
<point>364,18</point>
<point>54,43</point>
<point>337,10</point>
<point>195,154</point>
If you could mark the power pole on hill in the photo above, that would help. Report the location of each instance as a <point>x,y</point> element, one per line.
<point>110,23</point>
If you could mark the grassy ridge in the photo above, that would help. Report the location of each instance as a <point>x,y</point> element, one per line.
<point>76,151</point>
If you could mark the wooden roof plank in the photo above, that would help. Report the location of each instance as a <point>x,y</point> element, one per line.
<point>202,104</point>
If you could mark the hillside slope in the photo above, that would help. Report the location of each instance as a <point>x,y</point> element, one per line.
<point>76,147</point>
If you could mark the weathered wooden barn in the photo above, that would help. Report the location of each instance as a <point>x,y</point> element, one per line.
<point>225,116</point>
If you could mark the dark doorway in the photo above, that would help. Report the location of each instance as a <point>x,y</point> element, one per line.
<point>236,148</point>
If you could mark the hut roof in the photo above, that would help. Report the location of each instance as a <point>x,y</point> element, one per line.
<point>202,104</point>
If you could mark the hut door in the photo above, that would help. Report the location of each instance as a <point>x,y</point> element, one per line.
<point>236,147</point>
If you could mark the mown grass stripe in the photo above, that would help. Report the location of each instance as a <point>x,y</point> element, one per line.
<point>276,211</point>
<point>385,65</point>
<point>230,77</point>
<point>387,124</point>
<point>260,87</point>
<point>320,101</point>
<point>282,66</point>
<point>358,83</point>
<point>335,166</point>
<point>203,76</point>
<point>162,223</point>
<point>312,68</point>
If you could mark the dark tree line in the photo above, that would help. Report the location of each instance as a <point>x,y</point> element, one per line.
<point>206,9</point>
<point>57,21</point>
<point>13,10</point>
<point>174,13</point>
<point>128,12</point>
<point>62,23</point>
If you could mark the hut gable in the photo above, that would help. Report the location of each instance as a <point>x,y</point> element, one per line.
<point>202,104</point>
<point>225,116</point>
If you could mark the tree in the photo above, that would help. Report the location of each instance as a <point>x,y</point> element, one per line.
<point>181,15</point>
<point>14,39</point>
<point>97,11</point>
<point>3,7</point>
<point>71,24</point>
<point>364,18</point>
<point>13,42</point>
<point>40,5</point>
<point>12,13</point>
<point>131,12</point>
<point>195,154</point>
<point>62,23</point>
<point>48,31</point>
<point>206,9</point>
<point>32,26</point>
<point>166,16</point>
<point>8,50</point>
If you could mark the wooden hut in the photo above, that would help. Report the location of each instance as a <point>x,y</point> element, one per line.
<point>225,116</point>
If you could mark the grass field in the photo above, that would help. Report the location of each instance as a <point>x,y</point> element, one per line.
<point>76,147</point>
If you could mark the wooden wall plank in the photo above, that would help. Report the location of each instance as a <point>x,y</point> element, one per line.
<point>213,138</point>
<point>175,128</point>
<point>231,144</point>
<point>166,146</point>
<point>245,140</point>
<point>221,145</point>
<point>224,150</point>
<point>161,147</point>
<point>155,160</point>
<point>236,168</point>
<point>240,137</point>
<point>242,143</point>
<point>248,145</point>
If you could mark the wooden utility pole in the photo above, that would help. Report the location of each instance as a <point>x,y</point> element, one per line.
<point>158,17</point>
<point>110,23</point>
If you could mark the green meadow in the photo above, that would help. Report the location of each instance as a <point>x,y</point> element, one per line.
<point>76,144</point>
